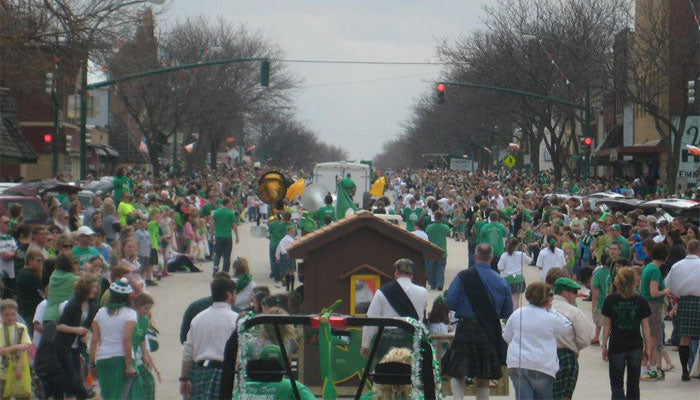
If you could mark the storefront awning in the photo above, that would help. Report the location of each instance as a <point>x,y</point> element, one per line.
<point>104,150</point>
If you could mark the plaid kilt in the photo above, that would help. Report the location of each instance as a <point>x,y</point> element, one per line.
<point>471,353</point>
<point>689,316</point>
<point>206,382</point>
<point>148,384</point>
<point>567,376</point>
<point>287,264</point>
<point>517,283</point>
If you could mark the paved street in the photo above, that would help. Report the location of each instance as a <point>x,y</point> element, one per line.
<point>176,292</point>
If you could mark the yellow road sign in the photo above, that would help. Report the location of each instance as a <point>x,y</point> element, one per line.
<point>510,161</point>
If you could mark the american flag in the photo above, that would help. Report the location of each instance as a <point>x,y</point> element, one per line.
<point>143,147</point>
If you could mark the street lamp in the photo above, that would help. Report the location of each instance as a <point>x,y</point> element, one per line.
<point>586,96</point>
<point>84,77</point>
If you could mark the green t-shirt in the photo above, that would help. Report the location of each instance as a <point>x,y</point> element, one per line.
<point>321,214</point>
<point>625,251</point>
<point>570,245</point>
<point>437,234</point>
<point>84,255</point>
<point>122,184</point>
<point>207,210</point>
<point>274,390</point>
<point>124,210</point>
<point>410,216</point>
<point>651,273</point>
<point>277,231</point>
<point>600,282</point>
<point>224,218</point>
<point>529,236</point>
<point>155,232</point>
<point>494,234</point>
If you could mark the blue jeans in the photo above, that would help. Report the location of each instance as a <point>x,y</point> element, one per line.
<point>617,363</point>
<point>530,384</point>
<point>222,247</point>
<point>435,271</point>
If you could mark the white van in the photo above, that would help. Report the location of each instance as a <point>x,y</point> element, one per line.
<point>329,173</point>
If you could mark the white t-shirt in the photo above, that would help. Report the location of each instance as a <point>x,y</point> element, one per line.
<point>547,260</point>
<point>7,243</point>
<point>112,331</point>
<point>421,234</point>
<point>38,317</point>
<point>513,264</point>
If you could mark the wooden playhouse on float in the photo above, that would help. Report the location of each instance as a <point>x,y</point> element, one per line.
<point>349,260</point>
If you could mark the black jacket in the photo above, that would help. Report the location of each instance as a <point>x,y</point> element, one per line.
<point>72,313</point>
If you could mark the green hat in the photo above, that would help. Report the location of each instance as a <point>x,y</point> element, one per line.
<point>616,227</point>
<point>562,284</point>
<point>602,217</point>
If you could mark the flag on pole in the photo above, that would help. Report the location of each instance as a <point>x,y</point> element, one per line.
<point>143,147</point>
<point>190,147</point>
<point>693,150</point>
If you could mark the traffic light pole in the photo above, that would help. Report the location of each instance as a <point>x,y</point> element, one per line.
<point>586,107</point>
<point>84,88</point>
<point>56,112</point>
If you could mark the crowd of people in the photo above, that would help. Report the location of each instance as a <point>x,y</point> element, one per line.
<point>638,270</point>
<point>77,308</point>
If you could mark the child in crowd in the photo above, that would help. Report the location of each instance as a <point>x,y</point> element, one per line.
<point>143,239</point>
<point>14,344</point>
<point>599,290</point>
<point>459,221</point>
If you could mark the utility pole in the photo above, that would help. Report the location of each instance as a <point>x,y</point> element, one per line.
<point>55,90</point>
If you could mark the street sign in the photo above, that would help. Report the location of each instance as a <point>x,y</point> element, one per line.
<point>510,161</point>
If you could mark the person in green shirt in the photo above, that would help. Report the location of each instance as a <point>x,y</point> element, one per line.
<point>83,252</point>
<point>654,291</point>
<point>411,214</point>
<point>225,219</point>
<point>125,208</point>
<point>122,184</point>
<point>437,232</point>
<point>327,210</point>
<point>495,234</point>
<point>61,286</point>
<point>625,251</point>
<point>277,230</point>
<point>599,291</point>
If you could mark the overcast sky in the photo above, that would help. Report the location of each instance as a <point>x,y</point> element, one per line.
<point>357,107</point>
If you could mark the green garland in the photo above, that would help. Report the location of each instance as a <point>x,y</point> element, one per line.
<point>421,334</point>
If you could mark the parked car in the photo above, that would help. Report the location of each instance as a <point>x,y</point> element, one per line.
<point>100,187</point>
<point>35,211</point>
<point>687,210</point>
<point>616,204</point>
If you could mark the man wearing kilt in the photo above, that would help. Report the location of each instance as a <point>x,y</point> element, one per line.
<point>480,298</point>
<point>203,351</point>
<point>287,265</point>
<point>569,345</point>
<point>684,281</point>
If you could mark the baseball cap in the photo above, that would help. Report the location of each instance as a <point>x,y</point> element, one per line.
<point>566,284</point>
<point>85,230</point>
<point>405,265</point>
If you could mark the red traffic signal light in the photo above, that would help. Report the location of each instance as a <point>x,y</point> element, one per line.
<point>441,93</point>
<point>48,138</point>
<point>588,141</point>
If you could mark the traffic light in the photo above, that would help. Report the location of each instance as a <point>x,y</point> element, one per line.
<point>441,93</point>
<point>48,141</point>
<point>692,85</point>
<point>49,83</point>
<point>265,73</point>
<point>588,141</point>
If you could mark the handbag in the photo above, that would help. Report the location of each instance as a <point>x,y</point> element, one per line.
<point>17,387</point>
